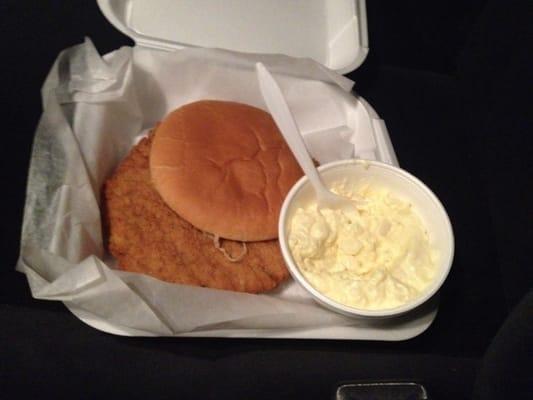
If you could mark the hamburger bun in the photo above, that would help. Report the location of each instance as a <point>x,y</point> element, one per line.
<point>224,167</point>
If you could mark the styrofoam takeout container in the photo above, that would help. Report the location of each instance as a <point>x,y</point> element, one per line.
<point>333,33</point>
<point>404,186</point>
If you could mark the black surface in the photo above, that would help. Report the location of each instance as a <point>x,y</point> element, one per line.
<point>506,367</point>
<point>453,83</point>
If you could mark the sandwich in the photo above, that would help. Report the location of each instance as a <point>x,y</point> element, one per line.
<point>197,201</point>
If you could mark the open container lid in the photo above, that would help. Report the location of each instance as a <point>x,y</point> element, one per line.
<point>332,32</point>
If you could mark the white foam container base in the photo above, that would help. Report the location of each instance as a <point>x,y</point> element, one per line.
<point>404,328</point>
<point>401,328</point>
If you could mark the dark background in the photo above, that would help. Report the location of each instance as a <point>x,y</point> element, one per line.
<point>453,82</point>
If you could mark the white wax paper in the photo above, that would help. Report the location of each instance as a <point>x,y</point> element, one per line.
<point>94,109</point>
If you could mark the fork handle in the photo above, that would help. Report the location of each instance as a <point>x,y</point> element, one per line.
<point>281,113</point>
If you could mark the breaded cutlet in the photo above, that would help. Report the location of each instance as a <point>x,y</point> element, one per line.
<point>147,237</point>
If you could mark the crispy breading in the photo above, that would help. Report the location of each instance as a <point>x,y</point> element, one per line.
<point>146,236</point>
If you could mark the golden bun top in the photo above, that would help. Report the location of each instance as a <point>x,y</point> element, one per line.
<point>224,167</point>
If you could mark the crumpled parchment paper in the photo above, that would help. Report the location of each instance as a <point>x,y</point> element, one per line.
<point>94,109</point>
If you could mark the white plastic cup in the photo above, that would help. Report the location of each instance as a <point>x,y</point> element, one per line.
<point>405,186</point>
